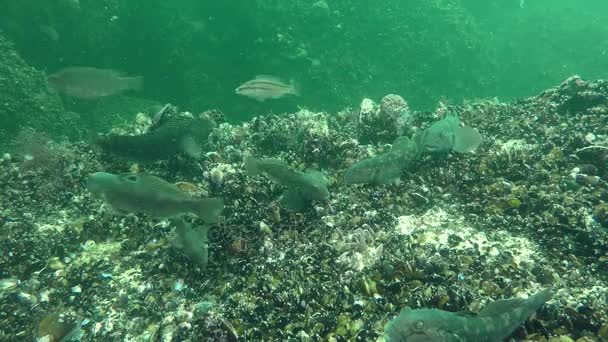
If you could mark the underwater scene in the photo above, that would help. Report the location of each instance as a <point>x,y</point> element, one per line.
<point>304,170</point>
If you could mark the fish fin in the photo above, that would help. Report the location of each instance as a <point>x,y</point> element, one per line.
<point>386,175</point>
<point>191,147</point>
<point>539,298</point>
<point>501,306</point>
<point>208,209</point>
<point>466,139</point>
<point>295,87</point>
<point>112,210</point>
<point>401,142</point>
<point>317,175</point>
<point>180,225</point>
<point>269,78</point>
<point>466,313</point>
<point>177,241</point>
<point>292,199</point>
<point>251,166</point>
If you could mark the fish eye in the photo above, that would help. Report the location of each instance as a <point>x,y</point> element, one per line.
<point>418,325</point>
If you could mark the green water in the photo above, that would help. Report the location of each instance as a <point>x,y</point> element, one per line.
<point>343,229</point>
<point>195,53</point>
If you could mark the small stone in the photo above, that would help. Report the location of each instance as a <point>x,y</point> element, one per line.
<point>55,264</point>
<point>561,339</point>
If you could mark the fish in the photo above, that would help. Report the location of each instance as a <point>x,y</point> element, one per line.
<point>386,167</point>
<point>302,187</point>
<point>494,323</point>
<point>193,243</point>
<point>264,87</point>
<point>446,135</point>
<point>176,135</point>
<point>150,195</point>
<point>91,83</point>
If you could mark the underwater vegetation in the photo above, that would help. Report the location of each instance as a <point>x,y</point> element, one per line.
<point>450,232</point>
<point>199,206</point>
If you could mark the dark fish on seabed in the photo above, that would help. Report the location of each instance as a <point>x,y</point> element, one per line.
<point>150,195</point>
<point>264,87</point>
<point>193,243</point>
<point>176,135</point>
<point>91,83</point>
<point>446,135</point>
<point>494,323</point>
<point>302,187</point>
<point>386,167</point>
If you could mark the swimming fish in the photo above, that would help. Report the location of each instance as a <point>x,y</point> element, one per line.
<point>302,187</point>
<point>194,243</point>
<point>150,195</point>
<point>494,323</point>
<point>386,167</point>
<point>446,135</point>
<point>91,83</point>
<point>177,134</point>
<point>264,87</point>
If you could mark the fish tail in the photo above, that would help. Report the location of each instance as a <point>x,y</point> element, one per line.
<point>136,83</point>
<point>295,87</point>
<point>208,209</point>
<point>538,299</point>
<point>251,166</point>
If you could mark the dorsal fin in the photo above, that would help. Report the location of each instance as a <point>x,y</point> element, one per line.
<point>466,313</point>
<point>501,306</point>
<point>270,78</point>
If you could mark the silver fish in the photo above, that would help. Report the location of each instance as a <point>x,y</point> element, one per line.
<point>92,83</point>
<point>141,193</point>
<point>264,87</point>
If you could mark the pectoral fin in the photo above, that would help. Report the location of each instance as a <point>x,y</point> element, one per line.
<point>191,147</point>
<point>293,199</point>
<point>466,139</point>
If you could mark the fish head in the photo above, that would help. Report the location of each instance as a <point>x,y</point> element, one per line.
<point>439,138</point>
<point>100,182</point>
<point>363,171</point>
<point>425,325</point>
<point>317,185</point>
<point>320,192</point>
